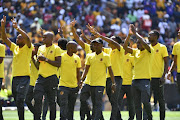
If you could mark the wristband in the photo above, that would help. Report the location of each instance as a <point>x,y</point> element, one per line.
<point>46,60</point>
<point>114,84</point>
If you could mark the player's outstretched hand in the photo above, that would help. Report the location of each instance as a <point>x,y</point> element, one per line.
<point>15,25</point>
<point>3,21</point>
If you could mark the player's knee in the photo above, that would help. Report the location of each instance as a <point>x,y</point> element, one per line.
<point>27,101</point>
<point>20,102</point>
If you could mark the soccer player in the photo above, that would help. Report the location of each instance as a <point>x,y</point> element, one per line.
<point>127,76</point>
<point>98,62</point>
<point>85,91</point>
<point>2,55</point>
<point>176,61</point>
<point>158,70</point>
<point>22,52</point>
<point>48,61</point>
<point>69,81</point>
<point>62,42</point>
<point>142,73</point>
<point>116,53</point>
<point>33,78</point>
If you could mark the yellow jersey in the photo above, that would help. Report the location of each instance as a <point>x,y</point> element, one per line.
<point>127,68</point>
<point>69,65</point>
<point>142,63</point>
<point>116,60</point>
<point>2,55</point>
<point>51,52</point>
<point>21,60</point>
<point>176,51</point>
<point>98,64</point>
<point>160,51</point>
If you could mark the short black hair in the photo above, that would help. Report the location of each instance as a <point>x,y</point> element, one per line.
<point>62,43</point>
<point>118,39</point>
<point>156,33</point>
<point>37,44</point>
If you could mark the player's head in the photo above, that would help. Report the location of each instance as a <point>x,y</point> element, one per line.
<point>117,39</point>
<point>20,41</point>
<point>36,47</point>
<point>48,38</point>
<point>62,42</point>
<point>71,47</point>
<point>97,44</point>
<point>92,46</point>
<point>153,36</point>
<point>179,34</point>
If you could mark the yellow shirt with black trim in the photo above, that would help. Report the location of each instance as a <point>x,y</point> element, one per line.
<point>142,63</point>
<point>69,65</point>
<point>88,53</point>
<point>2,55</point>
<point>176,51</point>
<point>116,60</point>
<point>34,73</point>
<point>59,70</point>
<point>98,64</point>
<point>21,60</point>
<point>160,51</point>
<point>51,52</point>
<point>127,68</point>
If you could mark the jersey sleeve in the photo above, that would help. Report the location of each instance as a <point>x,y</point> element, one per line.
<point>174,50</point>
<point>164,51</point>
<point>13,46</point>
<point>87,48</point>
<point>78,62</point>
<point>108,61</point>
<point>2,51</point>
<point>58,52</point>
<point>87,60</point>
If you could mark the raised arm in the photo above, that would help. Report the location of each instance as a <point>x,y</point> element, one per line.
<point>109,40</point>
<point>3,32</point>
<point>61,31</point>
<point>84,37</point>
<point>125,46</point>
<point>23,33</point>
<point>142,40</point>
<point>76,37</point>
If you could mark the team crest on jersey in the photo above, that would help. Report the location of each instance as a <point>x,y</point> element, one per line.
<point>75,61</point>
<point>127,60</point>
<point>61,93</point>
<point>157,50</point>
<point>101,59</point>
<point>51,51</point>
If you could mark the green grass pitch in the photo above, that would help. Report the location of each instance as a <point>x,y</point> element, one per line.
<point>12,115</point>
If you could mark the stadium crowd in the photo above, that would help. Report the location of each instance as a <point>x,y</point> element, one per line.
<point>88,19</point>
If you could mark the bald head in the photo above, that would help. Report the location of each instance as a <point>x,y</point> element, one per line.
<point>72,46</point>
<point>20,41</point>
<point>48,38</point>
<point>49,34</point>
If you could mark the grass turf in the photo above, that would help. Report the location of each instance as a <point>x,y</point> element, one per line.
<point>12,115</point>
